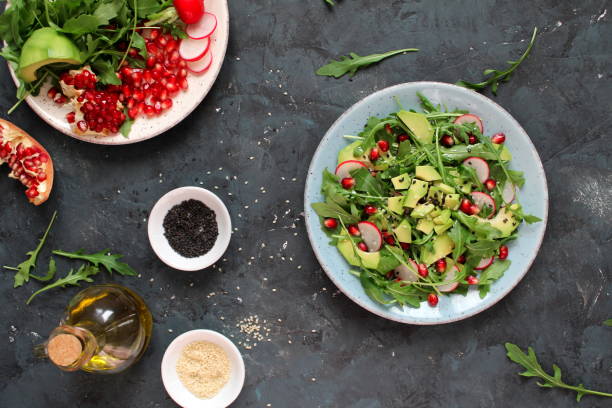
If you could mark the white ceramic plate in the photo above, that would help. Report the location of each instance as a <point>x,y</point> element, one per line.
<point>145,128</point>
<point>533,196</point>
<point>177,390</point>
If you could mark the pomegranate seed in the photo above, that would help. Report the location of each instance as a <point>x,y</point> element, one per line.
<point>503,252</point>
<point>474,209</point>
<point>70,117</point>
<point>472,280</point>
<point>461,259</point>
<point>82,125</point>
<point>42,176</point>
<point>133,52</point>
<point>370,209</point>
<point>330,223</point>
<point>388,129</point>
<point>52,92</point>
<point>466,206</point>
<point>374,154</point>
<point>184,84</point>
<point>362,246</point>
<point>149,110</point>
<point>432,299</point>
<point>182,73</point>
<point>405,246</point>
<point>161,41</point>
<point>441,265</point>
<point>447,140</point>
<point>157,106</point>
<point>472,139</point>
<point>348,183</point>
<point>171,46</point>
<point>61,99</point>
<point>172,87</point>
<point>402,138</point>
<point>133,112</point>
<point>138,96</point>
<point>68,79</point>
<point>498,138</point>
<point>151,60</point>
<point>32,192</point>
<point>383,145</point>
<point>422,270</point>
<point>353,230</point>
<point>166,104</point>
<point>490,184</point>
<point>136,77</point>
<point>390,240</point>
<point>153,34</point>
<point>373,173</point>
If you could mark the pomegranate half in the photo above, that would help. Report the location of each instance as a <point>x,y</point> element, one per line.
<point>30,163</point>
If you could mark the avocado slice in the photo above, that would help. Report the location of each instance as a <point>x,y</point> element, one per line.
<point>451,201</point>
<point>421,210</point>
<point>443,218</point>
<point>504,154</point>
<point>442,246</point>
<point>404,231</point>
<point>417,190</point>
<point>435,195</point>
<point>503,221</point>
<point>370,260</point>
<point>46,46</point>
<point>348,153</point>
<point>401,182</point>
<point>445,188</point>
<point>348,252</point>
<point>427,173</point>
<point>441,228</point>
<point>464,185</point>
<point>425,225</point>
<point>396,204</point>
<point>418,125</point>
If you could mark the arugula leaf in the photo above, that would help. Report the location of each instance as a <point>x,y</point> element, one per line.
<point>330,2</point>
<point>459,235</point>
<point>366,183</point>
<point>50,273</point>
<point>608,322</point>
<point>426,104</point>
<point>24,268</point>
<point>126,127</point>
<point>73,278</point>
<point>331,188</point>
<point>484,248</point>
<point>108,11</point>
<point>330,209</point>
<point>387,260</point>
<point>105,71</point>
<point>529,361</point>
<point>481,229</point>
<point>461,152</point>
<point>350,64</point>
<point>83,24</point>
<point>497,75</point>
<point>491,274</point>
<point>109,261</point>
<point>371,289</point>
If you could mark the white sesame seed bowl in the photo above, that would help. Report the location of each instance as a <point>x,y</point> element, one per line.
<point>160,243</point>
<point>179,393</point>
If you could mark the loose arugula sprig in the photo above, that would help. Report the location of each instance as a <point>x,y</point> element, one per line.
<point>23,269</point>
<point>608,322</point>
<point>330,2</point>
<point>73,278</point>
<point>104,258</point>
<point>350,64</point>
<point>497,75</point>
<point>533,369</point>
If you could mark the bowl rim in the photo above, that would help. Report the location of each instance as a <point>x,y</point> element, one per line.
<point>309,228</point>
<point>206,196</point>
<point>203,335</point>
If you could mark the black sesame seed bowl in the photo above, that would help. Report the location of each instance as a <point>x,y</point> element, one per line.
<point>189,228</point>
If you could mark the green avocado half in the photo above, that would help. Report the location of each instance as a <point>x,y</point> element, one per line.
<point>46,46</point>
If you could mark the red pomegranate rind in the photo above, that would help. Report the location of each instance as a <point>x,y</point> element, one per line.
<point>30,163</point>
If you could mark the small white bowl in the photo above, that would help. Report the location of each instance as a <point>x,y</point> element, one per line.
<point>177,390</point>
<point>160,244</point>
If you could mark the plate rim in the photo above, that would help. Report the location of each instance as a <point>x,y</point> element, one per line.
<point>377,311</point>
<point>126,141</point>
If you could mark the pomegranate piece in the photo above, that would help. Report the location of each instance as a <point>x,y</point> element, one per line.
<point>330,223</point>
<point>432,299</point>
<point>30,163</point>
<point>503,252</point>
<point>498,138</point>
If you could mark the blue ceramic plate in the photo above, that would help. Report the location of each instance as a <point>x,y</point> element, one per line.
<point>533,196</point>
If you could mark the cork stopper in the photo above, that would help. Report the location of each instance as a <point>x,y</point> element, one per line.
<point>64,349</point>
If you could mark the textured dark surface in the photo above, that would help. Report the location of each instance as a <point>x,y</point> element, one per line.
<point>269,106</point>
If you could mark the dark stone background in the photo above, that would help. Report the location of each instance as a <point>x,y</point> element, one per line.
<point>561,95</point>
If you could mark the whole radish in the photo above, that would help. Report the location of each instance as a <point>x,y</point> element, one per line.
<point>190,11</point>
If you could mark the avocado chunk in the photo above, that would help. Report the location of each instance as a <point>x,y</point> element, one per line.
<point>503,221</point>
<point>504,153</point>
<point>421,210</point>
<point>348,153</point>
<point>441,228</point>
<point>435,195</point>
<point>46,46</point>
<point>427,173</point>
<point>369,260</point>
<point>401,182</point>
<point>418,125</point>
<point>436,211</point>
<point>404,231</point>
<point>396,204</point>
<point>464,185</point>
<point>442,246</point>
<point>451,201</point>
<point>445,188</point>
<point>443,218</point>
<point>348,252</point>
<point>425,225</point>
<point>417,190</point>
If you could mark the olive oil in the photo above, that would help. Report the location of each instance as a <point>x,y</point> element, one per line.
<point>105,329</point>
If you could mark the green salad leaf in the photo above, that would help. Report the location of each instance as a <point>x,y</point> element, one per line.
<point>84,273</point>
<point>353,62</point>
<point>331,209</point>
<point>104,258</point>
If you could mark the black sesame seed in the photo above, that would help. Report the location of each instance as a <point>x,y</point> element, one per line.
<point>191,228</point>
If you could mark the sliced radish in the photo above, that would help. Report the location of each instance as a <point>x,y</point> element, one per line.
<point>469,118</point>
<point>371,235</point>
<point>203,28</point>
<point>408,274</point>
<point>193,50</point>
<point>480,166</point>
<point>201,65</point>
<point>344,169</point>
<point>450,275</point>
<point>508,192</point>
<point>484,263</point>
<point>482,200</point>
